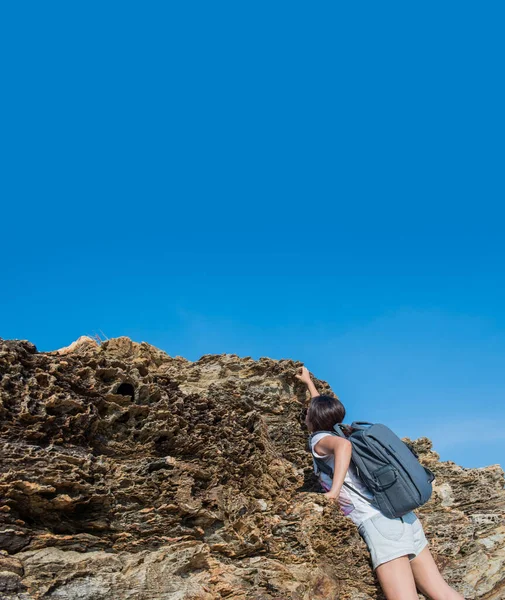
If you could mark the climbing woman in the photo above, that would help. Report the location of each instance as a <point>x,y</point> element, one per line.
<point>398,547</point>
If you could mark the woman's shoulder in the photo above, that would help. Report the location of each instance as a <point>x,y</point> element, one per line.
<point>319,435</point>
<point>316,438</point>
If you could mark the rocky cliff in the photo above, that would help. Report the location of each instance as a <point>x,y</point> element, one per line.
<point>126,473</point>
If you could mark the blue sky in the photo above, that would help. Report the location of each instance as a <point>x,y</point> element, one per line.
<point>311,182</point>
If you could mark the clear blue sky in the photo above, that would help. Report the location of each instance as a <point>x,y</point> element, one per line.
<point>268,179</point>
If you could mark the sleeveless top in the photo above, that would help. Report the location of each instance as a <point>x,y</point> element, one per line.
<point>353,506</point>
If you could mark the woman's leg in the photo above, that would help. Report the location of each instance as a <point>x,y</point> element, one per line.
<point>429,580</point>
<point>396,579</point>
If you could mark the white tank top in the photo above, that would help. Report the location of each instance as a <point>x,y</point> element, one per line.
<point>352,505</point>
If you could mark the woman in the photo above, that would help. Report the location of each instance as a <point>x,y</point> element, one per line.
<point>398,547</point>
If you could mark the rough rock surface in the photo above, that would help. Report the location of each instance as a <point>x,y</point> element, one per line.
<point>126,473</point>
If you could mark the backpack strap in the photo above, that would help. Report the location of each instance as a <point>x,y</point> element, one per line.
<point>324,467</point>
<point>361,424</point>
<point>338,429</point>
<point>349,487</point>
<point>320,463</point>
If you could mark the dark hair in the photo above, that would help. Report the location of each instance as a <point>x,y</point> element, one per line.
<point>324,412</point>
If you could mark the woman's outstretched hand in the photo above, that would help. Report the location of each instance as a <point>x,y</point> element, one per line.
<point>303,375</point>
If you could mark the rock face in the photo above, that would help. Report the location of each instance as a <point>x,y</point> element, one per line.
<point>126,473</point>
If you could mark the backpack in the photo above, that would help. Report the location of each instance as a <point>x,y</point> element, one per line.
<point>388,467</point>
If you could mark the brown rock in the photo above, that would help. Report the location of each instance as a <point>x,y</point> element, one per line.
<point>126,473</point>
<point>83,342</point>
<point>9,563</point>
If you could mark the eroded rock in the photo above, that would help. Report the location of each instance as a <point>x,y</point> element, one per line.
<point>126,473</point>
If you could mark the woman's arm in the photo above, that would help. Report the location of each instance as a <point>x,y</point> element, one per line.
<point>340,447</point>
<point>304,375</point>
<point>342,450</point>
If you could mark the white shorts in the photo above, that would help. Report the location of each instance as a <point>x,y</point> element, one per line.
<point>391,538</point>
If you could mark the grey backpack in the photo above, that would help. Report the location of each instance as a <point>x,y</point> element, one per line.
<point>387,466</point>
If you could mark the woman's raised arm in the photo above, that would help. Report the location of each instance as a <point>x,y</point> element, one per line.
<point>304,375</point>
